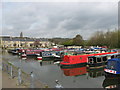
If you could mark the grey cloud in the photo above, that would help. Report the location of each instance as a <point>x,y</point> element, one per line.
<point>58,19</point>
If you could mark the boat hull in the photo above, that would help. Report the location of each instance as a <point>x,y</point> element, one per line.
<point>51,59</point>
<point>110,75</point>
<point>96,65</point>
<point>73,65</point>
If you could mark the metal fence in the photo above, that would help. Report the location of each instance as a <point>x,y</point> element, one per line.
<point>22,77</point>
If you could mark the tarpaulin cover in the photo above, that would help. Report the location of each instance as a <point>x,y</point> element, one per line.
<point>116,63</point>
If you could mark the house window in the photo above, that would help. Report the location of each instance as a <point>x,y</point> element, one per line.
<point>21,44</point>
<point>31,45</point>
<point>14,44</point>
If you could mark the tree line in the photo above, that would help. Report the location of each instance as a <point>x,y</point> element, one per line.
<point>77,41</point>
<point>111,39</point>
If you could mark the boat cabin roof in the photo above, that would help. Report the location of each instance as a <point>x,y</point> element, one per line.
<point>98,56</point>
<point>113,54</point>
<point>115,59</point>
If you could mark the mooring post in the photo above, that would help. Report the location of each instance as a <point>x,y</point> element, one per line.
<point>87,74</point>
<point>31,80</point>
<point>2,66</point>
<point>11,71</point>
<point>19,76</point>
<point>7,68</point>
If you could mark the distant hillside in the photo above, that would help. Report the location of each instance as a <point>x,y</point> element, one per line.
<point>59,40</point>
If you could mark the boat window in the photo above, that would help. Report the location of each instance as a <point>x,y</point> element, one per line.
<point>90,60</point>
<point>105,58</point>
<point>108,57</point>
<point>112,56</point>
<point>98,60</point>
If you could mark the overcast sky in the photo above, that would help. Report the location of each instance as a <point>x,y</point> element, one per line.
<point>58,19</point>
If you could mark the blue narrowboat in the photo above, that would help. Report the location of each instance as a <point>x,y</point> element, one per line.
<point>113,67</point>
<point>111,84</point>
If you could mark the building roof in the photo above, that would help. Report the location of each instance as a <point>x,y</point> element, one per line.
<point>6,39</point>
<point>23,39</point>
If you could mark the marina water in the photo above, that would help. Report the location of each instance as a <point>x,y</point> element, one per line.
<point>48,72</point>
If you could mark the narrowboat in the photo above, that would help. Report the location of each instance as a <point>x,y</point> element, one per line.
<point>13,51</point>
<point>33,52</point>
<point>113,67</point>
<point>74,60</point>
<point>51,55</point>
<point>111,83</point>
<point>21,51</point>
<point>98,61</point>
<point>30,53</point>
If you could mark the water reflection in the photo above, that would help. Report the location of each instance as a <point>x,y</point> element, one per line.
<point>43,63</point>
<point>78,71</point>
<point>74,71</point>
<point>40,63</point>
<point>110,83</point>
<point>94,73</point>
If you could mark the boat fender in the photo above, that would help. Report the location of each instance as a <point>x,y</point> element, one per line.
<point>39,58</point>
<point>58,62</point>
<point>23,55</point>
<point>24,58</point>
<point>87,65</point>
<point>37,54</point>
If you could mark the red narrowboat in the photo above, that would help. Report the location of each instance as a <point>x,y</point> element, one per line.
<point>76,60</point>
